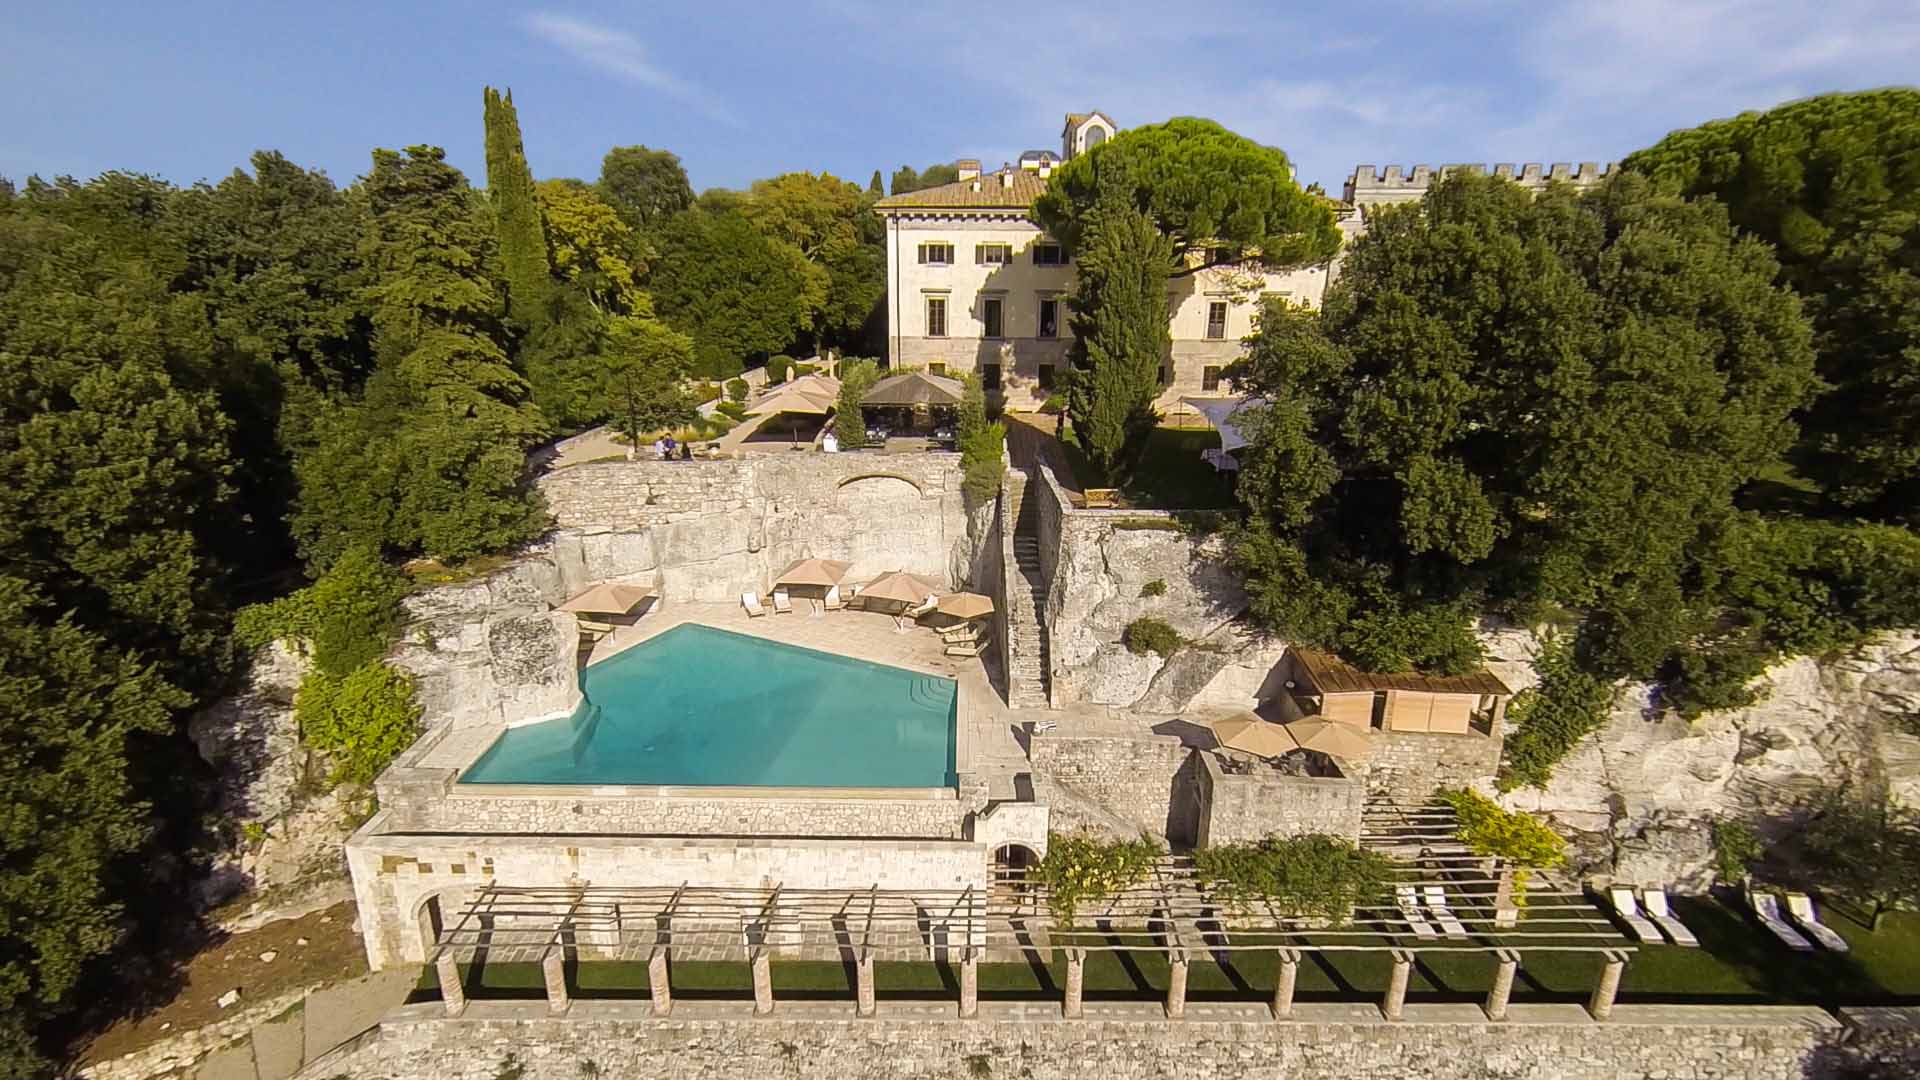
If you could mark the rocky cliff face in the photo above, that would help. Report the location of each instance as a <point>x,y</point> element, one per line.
<point>1640,795</point>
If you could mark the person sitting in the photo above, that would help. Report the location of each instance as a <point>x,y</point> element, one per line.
<point>686,451</point>
<point>666,451</point>
<point>659,448</point>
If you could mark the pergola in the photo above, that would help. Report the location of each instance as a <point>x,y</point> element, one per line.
<point>1171,911</point>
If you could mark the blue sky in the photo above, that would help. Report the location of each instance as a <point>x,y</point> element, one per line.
<point>744,90</point>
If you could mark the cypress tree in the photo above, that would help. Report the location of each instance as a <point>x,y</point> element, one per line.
<point>873,186</point>
<point>516,213</point>
<point>1121,334</point>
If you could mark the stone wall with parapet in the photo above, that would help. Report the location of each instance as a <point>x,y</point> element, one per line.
<point>1397,185</point>
<point>1117,786</point>
<point>1408,765</point>
<point>1243,807</point>
<point>404,881</point>
<point>701,1041</point>
<point>710,530</point>
<point>1098,565</point>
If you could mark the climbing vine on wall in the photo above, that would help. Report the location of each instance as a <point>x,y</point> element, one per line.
<point>1522,840</point>
<point>1311,875</point>
<point>1082,869</point>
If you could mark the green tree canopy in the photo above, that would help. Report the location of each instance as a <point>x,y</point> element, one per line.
<point>1834,183</point>
<point>645,186</point>
<point>1220,198</point>
<point>906,178</point>
<point>739,294</point>
<point>1537,400</point>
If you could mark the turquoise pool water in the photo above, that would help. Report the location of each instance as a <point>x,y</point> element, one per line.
<point>703,707</point>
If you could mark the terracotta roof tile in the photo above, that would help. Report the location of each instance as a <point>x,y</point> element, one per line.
<point>993,193</point>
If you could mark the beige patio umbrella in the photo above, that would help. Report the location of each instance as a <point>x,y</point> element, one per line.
<point>1252,734</point>
<point>794,399</point>
<point>900,587</point>
<point>823,573</point>
<point>915,388</point>
<point>965,605</point>
<point>608,597</point>
<point>1329,737</point>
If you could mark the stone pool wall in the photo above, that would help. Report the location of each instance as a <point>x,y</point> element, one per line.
<point>1116,1042</point>
<point>404,881</point>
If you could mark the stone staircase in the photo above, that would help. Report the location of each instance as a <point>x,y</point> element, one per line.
<point>1027,654</point>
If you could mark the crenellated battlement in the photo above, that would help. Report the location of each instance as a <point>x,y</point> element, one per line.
<point>1398,184</point>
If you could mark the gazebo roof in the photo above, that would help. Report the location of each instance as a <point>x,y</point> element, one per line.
<point>1332,675</point>
<point>915,388</point>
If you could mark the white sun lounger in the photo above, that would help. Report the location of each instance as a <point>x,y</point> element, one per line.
<point>1409,901</point>
<point>973,648</point>
<point>1655,901</point>
<point>1767,907</point>
<point>752,604</point>
<point>1436,897</point>
<point>1800,910</point>
<point>1629,911</point>
<point>781,604</point>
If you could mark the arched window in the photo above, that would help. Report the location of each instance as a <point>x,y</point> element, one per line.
<point>1095,135</point>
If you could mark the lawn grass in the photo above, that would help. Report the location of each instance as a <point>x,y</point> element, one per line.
<point>1171,474</point>
<point>1738,964</point>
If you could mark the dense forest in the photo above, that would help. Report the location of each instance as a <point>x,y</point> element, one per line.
<point>217,392</point>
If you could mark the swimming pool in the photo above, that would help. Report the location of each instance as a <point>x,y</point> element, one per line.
<point>698,706</point>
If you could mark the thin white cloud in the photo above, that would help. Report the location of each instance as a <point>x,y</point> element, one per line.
<point>624,56</point>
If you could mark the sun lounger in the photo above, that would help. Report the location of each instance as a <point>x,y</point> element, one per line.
<point>593,630</point>
<point>907,617</point>
<point>1409,901</point>
<point>973,648</point>
<point>1629,911</point>
<point>1436,898</point>
<point>781,604</point>
<point>752,603</point>
<point>1655,901</point>
<point>962,633</point>
<point>1766,907</point>
<point>1800,910</point>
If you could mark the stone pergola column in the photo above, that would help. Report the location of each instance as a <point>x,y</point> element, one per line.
<point>451,991</point>
<point>1600,1006</point>
<point>553,968</point>
<point>1508,962</point>
<point>762,983</point>
<point>863,983</point>
<point>660,981</point>
<point>970,984</point>
<point>1176,984</point>
<point>1283,988</point>
<point>1505,912</point>
<point>1076,983</point>
<point>1395,1004</point>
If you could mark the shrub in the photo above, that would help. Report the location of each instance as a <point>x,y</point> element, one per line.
<point>1054,405</point>
<point>737,390</point>
<point>1312,875</point>
<point>849,423</point>
<point>1156,587</point>
<point>732,410</point>
<point>346,619</point>
<point>1736,847</point>
<point>1712,675</point>
<point>1487,829</point>
<point>1550,719</point>
<point>982,445</point>
<point>362,721</point>
<point>782,368</point>
<point>1082,869</point>
<point>1148,634</point>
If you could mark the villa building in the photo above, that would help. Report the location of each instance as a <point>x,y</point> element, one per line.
<point>974,284</point>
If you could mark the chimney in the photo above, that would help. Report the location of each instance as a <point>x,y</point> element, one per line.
<point>969,168</point>
<point>1006,178</point>
<point>1046,168</point>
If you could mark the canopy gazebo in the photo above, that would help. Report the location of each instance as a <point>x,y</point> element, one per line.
<point>1250,734</point>
<point>810,395</point>
<point>913,392</point>
<point>608,599</point>
<point>824,575</point>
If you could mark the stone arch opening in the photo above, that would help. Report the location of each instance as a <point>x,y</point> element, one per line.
<point>1014,860</point>
<point>907,480</point>
<point>430,917</point>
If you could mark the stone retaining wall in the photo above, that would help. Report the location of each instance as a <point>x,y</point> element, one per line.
<point>1236,807</point>
<point>1408,765</point>
<point>684,815</point>
<point>1113,785</point>
<point>709,530</point>
<point>403,882</point>
<point>1116,1042</point>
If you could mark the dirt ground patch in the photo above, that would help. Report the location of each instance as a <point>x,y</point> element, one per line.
<point>317,948</point>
